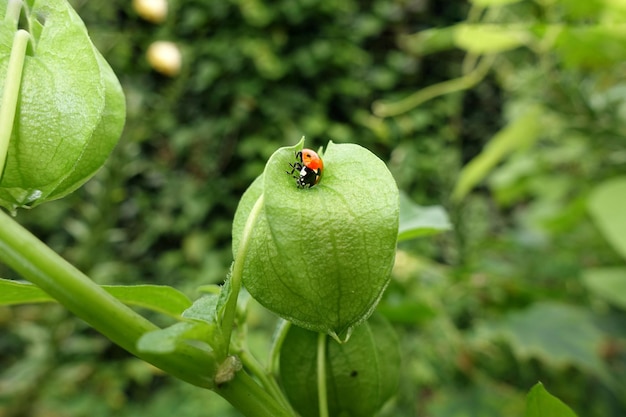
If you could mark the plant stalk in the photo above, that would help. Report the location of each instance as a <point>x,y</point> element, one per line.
<point>236,277</point>
<point>11,92</point>
<point>12,15</point>
<point>322,394</point>
<point>39,264</point>
<point>249,398</point>
<point>467,81</point>
<point>268,382</point>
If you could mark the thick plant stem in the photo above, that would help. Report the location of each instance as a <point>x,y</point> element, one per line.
<point>249,398</point>
<point>39,264</point>
<point>268,382</point>
<point>322,394</point>
<point>11,92</point>
<point>36,262</point>
<point>237,274</point>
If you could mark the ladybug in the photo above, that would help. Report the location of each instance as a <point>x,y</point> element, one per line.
<point>309,167</point>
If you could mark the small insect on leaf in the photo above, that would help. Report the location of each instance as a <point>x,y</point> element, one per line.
<point>308,168</point>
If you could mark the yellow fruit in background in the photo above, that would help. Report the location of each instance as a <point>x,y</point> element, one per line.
<point>165,57</point>
<point>154,11</point>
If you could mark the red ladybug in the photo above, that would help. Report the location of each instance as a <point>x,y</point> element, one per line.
<point>309,167</point>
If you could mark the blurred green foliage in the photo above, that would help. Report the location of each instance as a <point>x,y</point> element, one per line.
<point>483,312</point>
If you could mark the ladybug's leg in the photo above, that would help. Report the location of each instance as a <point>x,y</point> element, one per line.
<point>295,167</point>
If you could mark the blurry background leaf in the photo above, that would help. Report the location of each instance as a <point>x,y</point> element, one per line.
<point>416,221</point>
<point>541,403</point>
<point>482,400</point>
<point>607,283</point>
<point>592,46</point>
<point>520,133</point>
<point>556,333</point>
<point>607,204</point>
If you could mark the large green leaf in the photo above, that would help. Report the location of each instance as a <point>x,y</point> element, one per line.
<point>70,111</point>
<point>322,256</point>
<point>558,334</point>
<point>160,298</point>
<point>540,403</point>
<point>607,206</point>
<point>608,283</point>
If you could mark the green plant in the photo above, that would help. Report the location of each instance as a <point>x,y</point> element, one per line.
<point>199,347</point>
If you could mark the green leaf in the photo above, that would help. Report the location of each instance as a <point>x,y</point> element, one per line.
<point>322,256</point>
<point>490,38</point>
<point>70,112</point>
<point>591,10</point>
<point>589,46</point>
<point>606,206</point>
<point>519,133</point>
<point>362,374</point>
<point>540,403</point>
<point>209,309</point>
<point>160,298</point>
<point>15,292</point>
<point>608,283</point>
<point>417,221</point>
<point>171,339</point>
<point>204,309</point>
<point>482,398</point>
<point>558,334</point>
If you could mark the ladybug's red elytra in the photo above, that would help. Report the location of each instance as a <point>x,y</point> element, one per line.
<point>309,168</point>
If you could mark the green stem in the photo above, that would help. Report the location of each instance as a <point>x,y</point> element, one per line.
<point>322,394</point>
<point>39,264</point>
<point>11,92</point>
<point>277,345</point>
<point>237,275</point>
<point>390,109</point>
<point>36,262</point>
<point>249,398</point>
<point>268,382</point>
<point>12,16</point>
